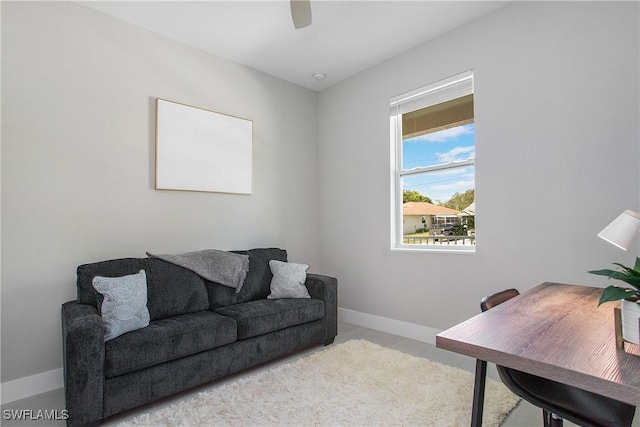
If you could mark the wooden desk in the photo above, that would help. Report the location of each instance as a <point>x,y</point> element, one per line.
<point>555,331</point>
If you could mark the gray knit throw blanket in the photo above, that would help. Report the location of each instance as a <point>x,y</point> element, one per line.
<point>225,268</point>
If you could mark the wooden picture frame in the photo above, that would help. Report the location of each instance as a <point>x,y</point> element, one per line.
<point>202,150</point>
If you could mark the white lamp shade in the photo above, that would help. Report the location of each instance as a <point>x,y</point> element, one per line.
<point>622,230</point>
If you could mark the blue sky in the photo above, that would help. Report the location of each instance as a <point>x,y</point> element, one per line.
<point>440,148</point>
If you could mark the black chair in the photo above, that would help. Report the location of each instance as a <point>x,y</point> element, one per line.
<point>558,401</point>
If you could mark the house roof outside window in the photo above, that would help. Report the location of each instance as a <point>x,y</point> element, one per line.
<point>424,209</point>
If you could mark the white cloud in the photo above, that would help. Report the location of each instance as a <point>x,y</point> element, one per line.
<point>450,181</point>
<point>447,134</point>
<point>444,192</point>
<point>454,187</point>
<point>457,153</point>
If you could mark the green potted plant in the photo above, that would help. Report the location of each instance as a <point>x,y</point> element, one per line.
<point>630,297</point>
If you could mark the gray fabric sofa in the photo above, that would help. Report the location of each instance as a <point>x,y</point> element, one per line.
<point>199,331</point>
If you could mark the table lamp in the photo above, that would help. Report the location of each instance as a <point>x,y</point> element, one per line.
<point>620,233</point>
<point>622,230</point>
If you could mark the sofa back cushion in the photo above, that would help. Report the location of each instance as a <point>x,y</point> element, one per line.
<point>171,290</point>
<point>256,284</point>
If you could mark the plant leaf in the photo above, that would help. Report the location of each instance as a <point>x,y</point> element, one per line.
<point>637,266</point>
<point>629,270</point>
<point>623,276</point>
<point>631,280</point>
<point>615,293</point>
<point>607,272</point>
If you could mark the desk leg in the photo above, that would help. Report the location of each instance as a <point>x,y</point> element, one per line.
<point>478,393</point>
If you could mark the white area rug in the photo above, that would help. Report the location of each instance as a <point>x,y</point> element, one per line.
<point>356,383</point>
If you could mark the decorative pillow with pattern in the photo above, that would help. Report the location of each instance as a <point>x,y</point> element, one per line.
<point>288,280</point>
<point>124,308</point>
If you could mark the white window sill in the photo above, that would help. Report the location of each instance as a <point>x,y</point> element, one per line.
<point>468,250</point>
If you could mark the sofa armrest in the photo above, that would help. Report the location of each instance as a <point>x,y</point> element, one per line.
<point>83,363</point>
<point>325,288</point>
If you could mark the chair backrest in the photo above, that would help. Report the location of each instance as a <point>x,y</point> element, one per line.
<point>498,298</point>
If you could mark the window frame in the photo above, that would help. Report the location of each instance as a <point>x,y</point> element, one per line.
<point>436,93</point>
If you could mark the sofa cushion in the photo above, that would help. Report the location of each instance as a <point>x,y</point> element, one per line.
<point>124,307</point>
<point>171,290</point>
<point>256,283</point>
<point>288,280</point>
<point>263,316</point>
<point>167,339</point>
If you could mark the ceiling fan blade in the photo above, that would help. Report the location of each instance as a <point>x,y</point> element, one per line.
<point>301,13</point>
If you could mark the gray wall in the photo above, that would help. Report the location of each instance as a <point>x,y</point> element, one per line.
<point>78,117</point>
<point>557,137</point>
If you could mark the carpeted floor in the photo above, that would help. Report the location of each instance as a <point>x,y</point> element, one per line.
<point>356,383</point>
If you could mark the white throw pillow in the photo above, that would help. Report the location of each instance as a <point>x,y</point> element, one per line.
<point>124,307</point>
<point>288,280</point>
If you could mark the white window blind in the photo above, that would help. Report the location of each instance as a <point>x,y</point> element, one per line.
<point>444,90</point>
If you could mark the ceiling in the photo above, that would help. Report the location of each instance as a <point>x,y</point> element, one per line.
<point>346,37</point>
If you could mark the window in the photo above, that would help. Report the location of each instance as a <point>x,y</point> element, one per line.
<point>433,167</point>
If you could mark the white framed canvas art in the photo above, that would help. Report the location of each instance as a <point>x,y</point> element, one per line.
<point>201,150</point>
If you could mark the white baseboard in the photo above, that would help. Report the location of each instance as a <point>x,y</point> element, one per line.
<point>391,326</point>
<point>32,385</point>
<point>51,380</point>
